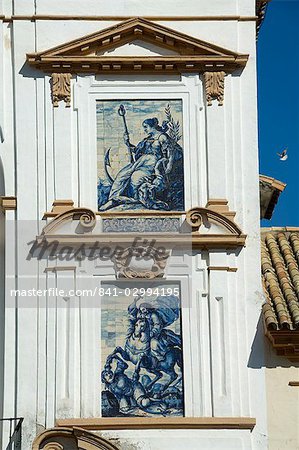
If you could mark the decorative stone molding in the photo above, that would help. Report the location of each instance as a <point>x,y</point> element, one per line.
<point>187,54</point>
<point>140,262</point>
<point>61,88</point>
<point>214,86</point>
<point>118,18</point>
<point>87,220</point>
<point>56,269</point>
<point>211,227</point>
<point>74,437</point>
<point>195,217</point>
<point>58,207</point>
<point>149,423</point>
<point>220,205</point>
<point>8,203</point>
<point>222,269</point>
<point>81,55</point>
<point>227,234</point>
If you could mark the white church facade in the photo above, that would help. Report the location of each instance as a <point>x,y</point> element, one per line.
<point>131,288</point>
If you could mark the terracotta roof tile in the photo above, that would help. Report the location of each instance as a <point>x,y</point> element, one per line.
<point>280,277</point>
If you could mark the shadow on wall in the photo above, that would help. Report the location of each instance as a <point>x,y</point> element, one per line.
<point>272,360</point>
<point>257,354</point>
<point>263,354</point>
<point>29,72</point>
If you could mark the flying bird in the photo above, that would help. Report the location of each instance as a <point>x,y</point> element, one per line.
<point>283,155</point>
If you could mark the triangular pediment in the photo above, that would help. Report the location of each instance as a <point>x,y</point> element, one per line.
<point>137,48</point>
<point>140,29</point>
<point>154,46</point>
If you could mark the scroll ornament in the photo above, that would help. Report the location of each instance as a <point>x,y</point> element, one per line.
<point>214,86</point>
<point>88,219</point>
<point>61,88</point>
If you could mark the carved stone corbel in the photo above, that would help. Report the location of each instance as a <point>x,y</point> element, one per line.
<point>214,86</point>
<point>61,88</point>
<point>141,262</point>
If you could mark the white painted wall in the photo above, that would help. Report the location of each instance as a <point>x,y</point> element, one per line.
<point>130,7</point>
<point>282,400</point>
<point>50,154</point>
<point>2,298</point>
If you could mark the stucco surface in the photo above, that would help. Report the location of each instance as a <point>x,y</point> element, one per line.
<point>52,352</point>
<point>282,401</point>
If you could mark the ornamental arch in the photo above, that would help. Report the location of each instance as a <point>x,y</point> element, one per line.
<point>71,439</point>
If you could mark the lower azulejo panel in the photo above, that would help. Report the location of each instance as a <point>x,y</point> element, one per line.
<point>142,358</point>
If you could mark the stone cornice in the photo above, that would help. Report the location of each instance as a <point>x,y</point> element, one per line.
<point>69,17</point>
<point>132,423</point>
<point>137,64</point>
<point>204,241</point>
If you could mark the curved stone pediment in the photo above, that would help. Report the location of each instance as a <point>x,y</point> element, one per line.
<point>70,439</point>
<point>210,227</point>
<point>205,220</point>
<point>86,217</point>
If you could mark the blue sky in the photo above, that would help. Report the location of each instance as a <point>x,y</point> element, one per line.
<point>278,102</point>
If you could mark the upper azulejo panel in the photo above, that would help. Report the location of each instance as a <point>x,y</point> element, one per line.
<point>140,155</point>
